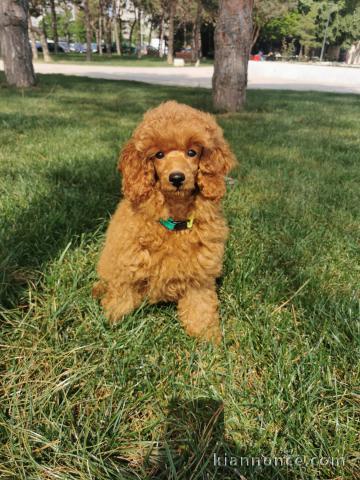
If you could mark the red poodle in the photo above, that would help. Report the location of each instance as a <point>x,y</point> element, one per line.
<point>165,241</point>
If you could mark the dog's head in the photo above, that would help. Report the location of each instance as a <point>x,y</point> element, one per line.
<point>178,150</point>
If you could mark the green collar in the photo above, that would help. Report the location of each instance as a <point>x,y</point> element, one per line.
<point>177,225</point>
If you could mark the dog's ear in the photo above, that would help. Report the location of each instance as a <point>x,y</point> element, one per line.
<point>214,165</point>
<point>138,176</point>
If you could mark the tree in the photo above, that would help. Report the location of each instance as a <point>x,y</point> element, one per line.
<point>100,27</point>
<point>351,25</point>
<point>344,25</point>
<point>107,24</point>
<point>116,18</point>
<point>307,29</point>
<point>15,46</point>
<point>172,11</point>
<point>54,25</point>
<point>196,38</point>
<point>265,11</point>
<point>192,15</point>
<point>353,57</point>
<point>34,51</point>
<point>65,21</point>
<point>161,35</point>
<point>37,9</point>
<point>335,24</point>
<point>41,33</point>
<point>88,30</point>
<point>233,37</point>
<point>139,42</point>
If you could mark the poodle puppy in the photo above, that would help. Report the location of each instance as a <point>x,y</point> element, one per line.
<point>165,241</point>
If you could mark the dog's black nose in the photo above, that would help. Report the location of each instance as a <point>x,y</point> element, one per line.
<point>176,178</point>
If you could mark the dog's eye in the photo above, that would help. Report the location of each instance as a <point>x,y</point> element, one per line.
<point>191,153</point>
<point>159,155</point>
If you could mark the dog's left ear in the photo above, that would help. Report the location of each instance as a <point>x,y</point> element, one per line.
<point>214,165</point>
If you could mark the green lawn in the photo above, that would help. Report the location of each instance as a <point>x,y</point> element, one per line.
<point>116,60</point>
<point>82,400</point>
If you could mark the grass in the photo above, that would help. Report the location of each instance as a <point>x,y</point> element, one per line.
<point>82,400</point>
<point>116,60</point>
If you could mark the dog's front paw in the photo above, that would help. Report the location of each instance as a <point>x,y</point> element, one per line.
<point>198,312</point>
<point>212,334</point>
<point>116,306</point>
<point>99,289</point>
<point>114,310</point>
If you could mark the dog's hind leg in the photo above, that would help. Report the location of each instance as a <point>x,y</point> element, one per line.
<point>198,312</point>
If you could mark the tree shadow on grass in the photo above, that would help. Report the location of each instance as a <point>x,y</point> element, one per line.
<point>195,447</point>
<point>127,97</point>
<point>75,203</point>
<point>130,97</point>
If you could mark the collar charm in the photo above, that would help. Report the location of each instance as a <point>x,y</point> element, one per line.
<point>176,225</point>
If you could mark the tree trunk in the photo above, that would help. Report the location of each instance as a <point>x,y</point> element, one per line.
<point>15,46</point>
<point>150,31</point>
<point>97,36</point>
<point>100,38</point>
<point>139,43</point>
<point>132,31</point>
<point>66,23</point>
<point>196,34</point>
<point>35,55</point>
<point>161,37</point>
<point>301,51</point>
<point>170,55</point>
<point>255,36</point>
<point>54,26</point>
<point>333,53</point>
<point>117,36</point>
<point>44,45</point>
<point>233,35</point>
<point>107,29</point>
<point>88,30</point>
<point>115,18</point>
<point>199,48</point>
<point>42,34</point>
<point>120,32</point>
<point>353,55</point>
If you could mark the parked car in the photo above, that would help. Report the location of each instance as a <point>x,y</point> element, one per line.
<point>63,47</point>
<point>94,48</point>
<point>77,47</point>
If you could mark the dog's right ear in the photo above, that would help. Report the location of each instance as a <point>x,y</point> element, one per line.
<point>138,176</point>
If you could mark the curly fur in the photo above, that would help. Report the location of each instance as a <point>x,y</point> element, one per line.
<point>142,259</point>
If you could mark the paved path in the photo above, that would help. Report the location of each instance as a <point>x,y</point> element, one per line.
<point>263,75</point>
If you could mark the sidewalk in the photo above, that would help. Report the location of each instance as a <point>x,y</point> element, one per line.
<point>262,75</point>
